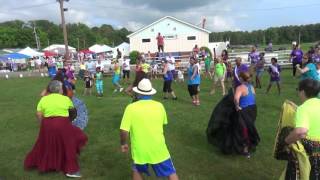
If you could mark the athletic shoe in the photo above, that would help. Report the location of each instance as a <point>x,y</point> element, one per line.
<point>121,89</point>
<point>247,155</point>
<point>74,175</point>
<point>114,91</point>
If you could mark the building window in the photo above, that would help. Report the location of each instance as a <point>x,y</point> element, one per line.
<point>152,30</point>
<point>191,37</point>
<point>146,40</point>
<point>170,37</point>
<point>174,28</point>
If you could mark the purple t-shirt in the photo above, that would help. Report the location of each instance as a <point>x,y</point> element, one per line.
<point>274,71</point>
<point>316,58</point>
<point>236,74</point>
<point>254,57</point>
<point>298,55</point>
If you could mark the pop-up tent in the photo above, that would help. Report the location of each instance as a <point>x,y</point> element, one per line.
<point>59,48</point>
<point>124,48</point>
<point>49,54</point>
<point>100,48</point>
<point>30,52</point>
<point>87,51</point>
<point>15,57</point>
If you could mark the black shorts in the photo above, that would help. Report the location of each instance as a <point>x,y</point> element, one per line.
<point>193,89</point>
<point>126,73</point>
<point>160,47</point>
<point>167,86</point>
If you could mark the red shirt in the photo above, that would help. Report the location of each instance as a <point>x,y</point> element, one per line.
<point>160,40</point>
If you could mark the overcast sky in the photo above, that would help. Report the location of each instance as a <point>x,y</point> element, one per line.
<point>221,15</point>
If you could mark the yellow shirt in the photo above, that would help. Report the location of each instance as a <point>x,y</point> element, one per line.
<point>145,67</point>
<point>55,105</point>
<point>308,116</point>
<point>82,67</point>
<point>144,120</point>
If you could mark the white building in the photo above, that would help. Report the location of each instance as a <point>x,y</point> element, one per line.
<point>179,36</point>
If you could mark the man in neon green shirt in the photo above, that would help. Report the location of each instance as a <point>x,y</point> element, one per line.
<point>144,121</point>
<point>307,128</point>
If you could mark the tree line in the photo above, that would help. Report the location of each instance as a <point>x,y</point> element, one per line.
<point>276,35</point>
<point>19,34</point>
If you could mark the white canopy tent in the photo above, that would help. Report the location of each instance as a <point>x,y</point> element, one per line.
<point>59,48</point>
<point>30,52</point>
<point>100,48</point>
<point>124,48</point>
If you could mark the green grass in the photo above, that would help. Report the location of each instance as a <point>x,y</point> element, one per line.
<point>193,157</point>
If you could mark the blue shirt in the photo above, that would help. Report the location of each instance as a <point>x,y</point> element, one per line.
<point>168,76</point>
<point>196,79</point>
<point>249,99</point>
<point>312,73</point>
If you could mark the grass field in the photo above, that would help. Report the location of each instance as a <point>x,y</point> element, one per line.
<point>194,158</point>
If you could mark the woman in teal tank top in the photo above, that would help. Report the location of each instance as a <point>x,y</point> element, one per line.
<point>194,81</point>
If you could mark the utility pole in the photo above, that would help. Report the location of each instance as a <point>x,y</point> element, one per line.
<point>65,36</point>
<point>36,36</point>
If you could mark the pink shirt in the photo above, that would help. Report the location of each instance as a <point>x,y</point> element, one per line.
<point>160,40</point>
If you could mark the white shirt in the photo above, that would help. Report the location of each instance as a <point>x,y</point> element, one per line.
<point>100,65</point>
<point>126,65</point>
<point>172,62</point>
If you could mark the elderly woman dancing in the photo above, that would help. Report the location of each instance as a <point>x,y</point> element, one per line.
<point>59,142</point>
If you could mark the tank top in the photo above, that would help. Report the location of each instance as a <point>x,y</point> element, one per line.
<point>249,99</point>
<point>117,70</point>
<point>99,76</point>
<point>196,79</point>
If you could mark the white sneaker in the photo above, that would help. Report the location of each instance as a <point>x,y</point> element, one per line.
<point>115,91</point>
<point>74,175</point>
<point>121,89</point>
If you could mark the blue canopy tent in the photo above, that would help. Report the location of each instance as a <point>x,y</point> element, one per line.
<point>2,58</point>
<point>13,59</point>
<point>16,56</point>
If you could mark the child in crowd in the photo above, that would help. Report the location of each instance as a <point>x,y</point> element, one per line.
<point>116,77</point>
<point>180,76</point>
<point>220,74</point>
<point>259,70</point>
<point>154,69</point>
<point>274,71</point>
<point>99,82</point>
<point>88,83</point>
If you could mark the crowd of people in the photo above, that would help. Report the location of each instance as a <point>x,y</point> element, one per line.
<point>231,126</point>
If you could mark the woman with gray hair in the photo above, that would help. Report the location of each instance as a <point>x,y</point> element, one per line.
<point>59,142</point>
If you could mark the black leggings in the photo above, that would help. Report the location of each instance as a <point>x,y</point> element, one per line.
<point>294,68</point>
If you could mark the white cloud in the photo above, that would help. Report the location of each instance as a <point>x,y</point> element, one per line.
<point>133,25</point>
<point>219,23</point>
